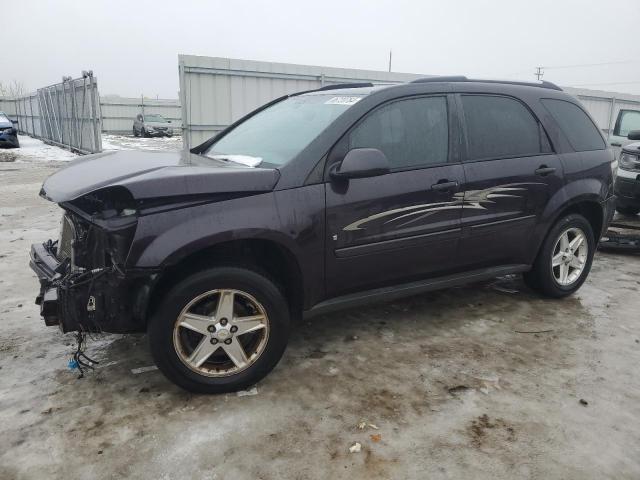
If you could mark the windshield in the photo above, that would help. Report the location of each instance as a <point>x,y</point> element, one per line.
<point>277,134</point>
<point>3,117</point>
<point>154,118</point>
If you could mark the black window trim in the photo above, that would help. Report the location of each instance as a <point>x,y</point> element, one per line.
<point>465,136</point>
<point>451,122</point>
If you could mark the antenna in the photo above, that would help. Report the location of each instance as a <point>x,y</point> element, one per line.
<point>389,61</point>
<point>539,73</point>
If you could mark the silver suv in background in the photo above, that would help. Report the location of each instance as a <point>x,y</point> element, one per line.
<point>152,125</point>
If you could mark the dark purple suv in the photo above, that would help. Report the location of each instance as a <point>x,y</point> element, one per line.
<point>318,201</point>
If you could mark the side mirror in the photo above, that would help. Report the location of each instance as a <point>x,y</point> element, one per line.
<point>15,122</point>
<point>168,121</point>
<point>634,135</point>
<point>361,163</point>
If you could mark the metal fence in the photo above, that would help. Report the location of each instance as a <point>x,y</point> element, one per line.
<point>66,114</point>
<point>215,92</point>
<point>8,106</point>
<point>118,113</point>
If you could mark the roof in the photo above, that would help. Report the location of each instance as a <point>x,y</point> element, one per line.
<point>368,88</point>
<point>344,89</point>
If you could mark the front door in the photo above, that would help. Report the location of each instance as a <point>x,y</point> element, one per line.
<point>511,174</point>
<point>406,224</point>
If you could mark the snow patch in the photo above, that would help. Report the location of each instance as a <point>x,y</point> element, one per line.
<point>124,142</point>
<point>34,150</point>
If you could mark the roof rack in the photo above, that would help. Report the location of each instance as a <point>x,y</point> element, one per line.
<point>344,85</point>
<point>442,78</point>
<point>462,78</point>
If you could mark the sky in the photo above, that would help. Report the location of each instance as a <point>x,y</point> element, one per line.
<point>133,46</point>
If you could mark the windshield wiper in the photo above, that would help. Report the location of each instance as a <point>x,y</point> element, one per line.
<point>246,160</point>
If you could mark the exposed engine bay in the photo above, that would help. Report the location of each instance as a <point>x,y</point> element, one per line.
<point>84,283</point>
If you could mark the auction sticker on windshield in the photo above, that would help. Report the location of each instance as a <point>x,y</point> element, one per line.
<point>342,100</point>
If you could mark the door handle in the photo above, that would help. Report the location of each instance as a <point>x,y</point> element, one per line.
<point>444,185</point>
<point>544,170</point>
<point>616,144</point>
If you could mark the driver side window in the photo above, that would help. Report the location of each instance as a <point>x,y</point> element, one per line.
<point>411,133</point>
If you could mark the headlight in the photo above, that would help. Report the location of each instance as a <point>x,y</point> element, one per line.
<point>629,162</point>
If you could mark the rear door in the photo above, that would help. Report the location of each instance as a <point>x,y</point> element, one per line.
<point>403,225</point>
<point>511,174</point>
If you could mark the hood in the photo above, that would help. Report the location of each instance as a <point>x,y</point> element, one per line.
<point>5,123</point>
<point>632,148</point>
<point>149,175</point>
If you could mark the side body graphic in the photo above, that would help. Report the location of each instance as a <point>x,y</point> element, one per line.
<point>473,199</point>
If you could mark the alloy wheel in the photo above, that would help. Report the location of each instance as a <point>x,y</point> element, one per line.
<point>569,256</point>
<point>221,332</point>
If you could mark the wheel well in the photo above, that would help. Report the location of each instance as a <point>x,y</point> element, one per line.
<point>592,211</point>
<point>265,256</point>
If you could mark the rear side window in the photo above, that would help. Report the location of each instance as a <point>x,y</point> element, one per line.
<point>411,133</point>
<point>582,134</point>
<point>501,127</point>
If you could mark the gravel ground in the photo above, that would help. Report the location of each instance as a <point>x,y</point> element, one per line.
<point>456,382</point>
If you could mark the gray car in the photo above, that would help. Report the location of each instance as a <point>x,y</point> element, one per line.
<point>152,125</point>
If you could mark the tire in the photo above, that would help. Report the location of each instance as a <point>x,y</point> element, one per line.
<point>543,278</point>
<point>627,210</point>
<point>173,346</point>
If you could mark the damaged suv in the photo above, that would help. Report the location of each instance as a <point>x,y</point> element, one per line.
<point>318,201</point>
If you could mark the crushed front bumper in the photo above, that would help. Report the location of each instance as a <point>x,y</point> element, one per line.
<point>96,300</point>
<point>48,269</point>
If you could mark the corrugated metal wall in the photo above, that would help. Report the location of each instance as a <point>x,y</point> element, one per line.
<point>118,113</point>
<point>8,106</point>
<point>217,91</point>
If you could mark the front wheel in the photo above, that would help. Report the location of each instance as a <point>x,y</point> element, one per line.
<point>220,330</point>
<point>565,258</point>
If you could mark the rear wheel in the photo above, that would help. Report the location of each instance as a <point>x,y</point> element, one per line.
<point>220,330</point>
<point>565,258</point>
<point>627,210</point>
